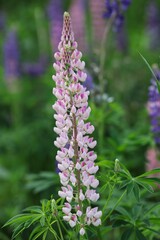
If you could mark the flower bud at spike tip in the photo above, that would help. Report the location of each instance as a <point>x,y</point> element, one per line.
<point>76,160</point>
<point>117,167</point>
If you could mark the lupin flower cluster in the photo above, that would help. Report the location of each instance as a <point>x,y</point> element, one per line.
<point>116,8</point>
<point>154,106</point>
<point>76,158</point>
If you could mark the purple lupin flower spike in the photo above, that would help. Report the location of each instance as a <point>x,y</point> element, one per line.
<point>55,12</point>
<point>98,22</point>
<point>153,24</point>
<point>11,59</point>
<point>77,12</point>
<point>116,8</point>
<point>154,106</point>
<point>76,161</point>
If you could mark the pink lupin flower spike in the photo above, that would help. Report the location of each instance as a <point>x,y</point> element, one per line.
<point>76,158</point>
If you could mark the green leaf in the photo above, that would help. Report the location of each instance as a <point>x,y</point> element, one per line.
<point>125,170</point>
<point>124,184</point>
<point>119,223</point>
<point>45,235</point>
<point>153,230</point>
<point>42,221</point>
<point>153,208</point>
<point>145,186</point>
<point>140,235</point>
<point>36,231</point>
<point>130,187</point>
<point>20,218</point>
<point>17,231</point>
<point>124,212</point>
<point>157,81</point>
<point>136,192</point>
<point>126,234</point>
<point>154,179</point>
<point>34,209</point>
<point>154,171</point>
<point>39,233</point>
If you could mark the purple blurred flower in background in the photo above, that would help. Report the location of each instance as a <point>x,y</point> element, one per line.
<point>89,82</point>
<point>55,15</point>
<point>122,40</point>
<point>153,24</point>
<point>35,69</point>
<point>11,58</point>
<point>154,106</point>
<point>77,12</point>
<point>98,22</point>
<point>116,9</point>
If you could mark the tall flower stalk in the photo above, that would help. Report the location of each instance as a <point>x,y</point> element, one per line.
<point>76,159</point>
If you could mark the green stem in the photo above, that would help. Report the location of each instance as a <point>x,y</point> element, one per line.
<point>52,231</point>
<point>59,228</point>
<point>109,197</point>
<point>115,205</point>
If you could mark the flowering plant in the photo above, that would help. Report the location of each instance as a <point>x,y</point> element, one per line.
<point>74,215</point>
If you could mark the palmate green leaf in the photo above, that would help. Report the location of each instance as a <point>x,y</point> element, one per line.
<point>154,179</point>
<point>126,234</point>
<point>21,218</point>
<point>154,171</point>
<point>42,221</point>
<point>37,230</point>
<point>153,230</point>
<point>149,181</point>
<point>155,220</point>
<point>124,183</point>
<point>34,209</point>
<point>18,230</point>
<point>130,187</point>
<point>140,235</point>
<point>153,208</point>
<point>124,212</point>
<point>136,192</point>
<point>39,233</point>
<point>145,186</point>
<point>125,170</point>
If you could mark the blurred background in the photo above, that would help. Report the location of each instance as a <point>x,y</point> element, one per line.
<point>110,38</point>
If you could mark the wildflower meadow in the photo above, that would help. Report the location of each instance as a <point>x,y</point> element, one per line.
<point>80,120</point>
